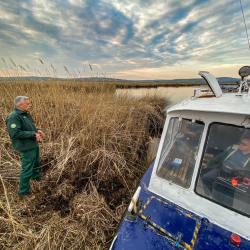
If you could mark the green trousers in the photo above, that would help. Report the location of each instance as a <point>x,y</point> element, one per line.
<point>30,160</point>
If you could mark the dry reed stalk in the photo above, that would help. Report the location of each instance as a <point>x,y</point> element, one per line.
<point>8,207</point>
<point>27,66</point>
<point>6,68</point>
<point>94,154</point>
<point>67,71</point>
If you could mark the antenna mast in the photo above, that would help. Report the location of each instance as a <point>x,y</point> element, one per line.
<point>245,24</point>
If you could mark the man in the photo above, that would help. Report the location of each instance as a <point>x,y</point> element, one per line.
<point>24,138</point>
<point>232,159</point>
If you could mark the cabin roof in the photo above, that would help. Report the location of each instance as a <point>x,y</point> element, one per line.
<point>227,103</point>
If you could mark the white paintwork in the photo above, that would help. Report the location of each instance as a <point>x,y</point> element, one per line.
<point>197,93</point>
<point>135,198</point>
<point>212,82</point>
<point>227,103</point>
<point>228,108</point>
<point>113,241</point>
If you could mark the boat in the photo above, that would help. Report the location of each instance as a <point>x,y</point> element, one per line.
<point>173,207</point>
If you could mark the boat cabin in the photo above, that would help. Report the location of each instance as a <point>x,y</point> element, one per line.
<point>196,193</point>
<point>195,167</point>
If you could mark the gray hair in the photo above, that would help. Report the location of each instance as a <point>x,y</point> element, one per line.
<point>19,99</point>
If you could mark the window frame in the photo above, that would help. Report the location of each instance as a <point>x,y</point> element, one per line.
<point>169,146</point>
<point>200,168</point>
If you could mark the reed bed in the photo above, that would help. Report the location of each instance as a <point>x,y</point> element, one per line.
<point>93,157</point>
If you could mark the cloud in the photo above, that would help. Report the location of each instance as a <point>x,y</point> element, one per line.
<point>126,36</point>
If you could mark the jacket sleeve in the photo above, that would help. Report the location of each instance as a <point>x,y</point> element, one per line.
<point>33,122</point>
<point>14,128</point>
<point>218,159</point>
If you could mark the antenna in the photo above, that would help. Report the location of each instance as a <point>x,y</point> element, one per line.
<point>245,24</point>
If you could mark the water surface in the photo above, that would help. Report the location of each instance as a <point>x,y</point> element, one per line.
<point>176,94</point>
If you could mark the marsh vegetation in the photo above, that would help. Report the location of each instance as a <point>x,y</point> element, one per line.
<point>94,155</point>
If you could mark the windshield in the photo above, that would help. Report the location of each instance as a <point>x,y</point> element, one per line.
<point>225,169</point>
<point>179,151</point>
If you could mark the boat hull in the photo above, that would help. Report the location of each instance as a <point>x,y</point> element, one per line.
<point>161,224</point>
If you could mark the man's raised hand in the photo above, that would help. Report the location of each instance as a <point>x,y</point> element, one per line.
<point>40,132</point>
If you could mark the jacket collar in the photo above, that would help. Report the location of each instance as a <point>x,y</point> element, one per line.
<point>19,111</point>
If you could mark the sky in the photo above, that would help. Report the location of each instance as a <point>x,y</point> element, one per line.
<point>128,39</point>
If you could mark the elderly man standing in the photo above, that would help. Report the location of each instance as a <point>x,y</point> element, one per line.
<point>24,138</point>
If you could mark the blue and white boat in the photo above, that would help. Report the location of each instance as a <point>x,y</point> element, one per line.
<point>173,207</point>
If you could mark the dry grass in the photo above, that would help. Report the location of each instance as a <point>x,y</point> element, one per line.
<point>94,154</point>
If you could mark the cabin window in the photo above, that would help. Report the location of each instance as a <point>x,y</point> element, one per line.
<point>179,151</point>
<point>224,175</point>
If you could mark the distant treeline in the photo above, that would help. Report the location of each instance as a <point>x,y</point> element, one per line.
<point>132,83</point>
<point>115,84</point>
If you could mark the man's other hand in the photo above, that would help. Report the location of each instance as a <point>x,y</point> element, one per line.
<point>204,165</point>
<point>40,132</point>
<point>38,137</point>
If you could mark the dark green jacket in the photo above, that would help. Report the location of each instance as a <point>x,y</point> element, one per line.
<point>223,156</point>
<point>22,130</point>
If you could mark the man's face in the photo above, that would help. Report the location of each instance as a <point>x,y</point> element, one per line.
<point>245,146</point>
<point>25,106</point>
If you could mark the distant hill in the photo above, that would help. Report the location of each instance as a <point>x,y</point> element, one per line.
<point>196,80</point>
<point>193,80</point>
